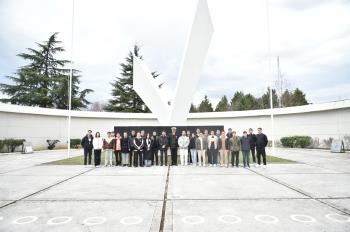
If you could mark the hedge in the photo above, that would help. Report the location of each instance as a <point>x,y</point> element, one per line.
<point>11,144</point>
<point>75,143</point>
<point>296,141</point>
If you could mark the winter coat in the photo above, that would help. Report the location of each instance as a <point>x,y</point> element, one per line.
<point>201,145</point>
<point>183,142</point>
<point>213,139</point>
<point>138,144</point>
<point>97,143</point>
<point>192,144</point>
<point>252,140</point>
<point>109,143</point>
<point>261,141</point>
<point>86,142</point>
<point>173,141</point>
<point>226,143</point>
<point>125,145</point>
<point>234,144</point>
<point>245,144</point>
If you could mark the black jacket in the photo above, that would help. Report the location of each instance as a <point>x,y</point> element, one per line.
<point>139,144</point>
<point>155,142</point>
<point>173,141</point>
<point>86,143</point>
<point>261,141</point>
<point>131,142</point>
<point>163,140</point>
<point>192,144</point>
<point>252,140</point>
<point>125,145</point>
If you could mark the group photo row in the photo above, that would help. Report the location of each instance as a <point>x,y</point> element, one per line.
<point>199,148</point>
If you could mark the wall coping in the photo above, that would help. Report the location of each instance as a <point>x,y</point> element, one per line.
<point>9,108</point>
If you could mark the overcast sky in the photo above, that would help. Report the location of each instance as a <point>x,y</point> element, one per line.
<point>312,38</point>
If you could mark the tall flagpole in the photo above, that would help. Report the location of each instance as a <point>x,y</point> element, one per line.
<point>70,80</point>
<point>269,72</point>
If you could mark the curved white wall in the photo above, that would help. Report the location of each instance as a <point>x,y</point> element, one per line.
<point>39,124</point>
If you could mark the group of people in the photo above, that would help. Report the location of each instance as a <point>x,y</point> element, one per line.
<point>141,149</point>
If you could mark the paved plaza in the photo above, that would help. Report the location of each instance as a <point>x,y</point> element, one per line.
<point>310,195</point>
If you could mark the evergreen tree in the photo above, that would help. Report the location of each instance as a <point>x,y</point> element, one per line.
<point>236,100</point>
<point>264,101</point>
<point>193,108</point>
<point>298,98</point>
<point>248,102</point>
<point>124,97</point>
<point>223,105</point>
<point>205,105</point>
<point>44,81</point>
<point>286,98</point>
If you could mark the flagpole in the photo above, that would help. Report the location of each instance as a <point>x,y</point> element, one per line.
<point>70,82</point>
<point>269,73</point>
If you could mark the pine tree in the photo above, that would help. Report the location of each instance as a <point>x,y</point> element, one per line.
<point>264,101</point>
<point>286,98</point>
<point>236,100</point>
<point>44,81</point>
<point>223,105</point>
<point>124,97</point>
<point>298,98</point>
<point>205,105</point>
<point>193,108</point>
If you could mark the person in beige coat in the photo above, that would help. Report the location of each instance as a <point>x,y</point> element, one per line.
<point>201,147</point>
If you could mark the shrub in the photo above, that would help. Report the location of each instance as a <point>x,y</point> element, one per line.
<point>75,143</point>
<point>11,144</point>
<point>52,143</point>
<point>296,141</point>
<point>1,145</point>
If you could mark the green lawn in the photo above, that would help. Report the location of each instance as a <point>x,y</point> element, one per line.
<point>78,160</point>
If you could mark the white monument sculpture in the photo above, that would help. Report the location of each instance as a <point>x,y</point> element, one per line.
<point>194,56</point>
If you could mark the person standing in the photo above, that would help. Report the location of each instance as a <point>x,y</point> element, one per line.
<point>138,150</point>
<point>97,143</point>
<point>212,148</point>
<point>245,147</point>
<point>118,150</point>
<point>163,145</point>
<point>131,147</point>
<point>188,134</point>
<point>125,149</point>
<point>229,133</point>
<point>155,148</point>
<point>201,147</point>
<point>183,142</point>
<point>173,146</point>
<point>148,150</point>
<point>193,150</point>
<point>252,142</point>
<point>223,147</point>
<point>261,143</point>
<point>109,144</point>
<point>234,148</point>
<point>86,143</point>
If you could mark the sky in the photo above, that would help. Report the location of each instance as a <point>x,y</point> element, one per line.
<point>311,37</point>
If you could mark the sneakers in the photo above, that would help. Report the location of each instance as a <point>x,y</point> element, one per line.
<point>264,167</point>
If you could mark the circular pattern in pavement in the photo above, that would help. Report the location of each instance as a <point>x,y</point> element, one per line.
<point>193,220</point>
<point>265,218</point>
<point>337,217</point>
<point>229,219</point>
<point>91,221</point>
<point>59,220</point>
<point>302,218</point>
<point>25,220</point>
<point>131,220</point>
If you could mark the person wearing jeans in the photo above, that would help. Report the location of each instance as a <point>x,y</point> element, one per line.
<point>183,142</point>
<point>125,149</point>
<point>193,150</point>
<point>261,143</point>
<point>163,145</point>
<point>118,150</point>
<point>245,147</point>
<point>109,144</point>
<point>235,145</point>
<point>98,146</point>
<point>86,143</point>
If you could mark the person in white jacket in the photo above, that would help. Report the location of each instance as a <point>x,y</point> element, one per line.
<point>183,142</point>
<point>98,147</point>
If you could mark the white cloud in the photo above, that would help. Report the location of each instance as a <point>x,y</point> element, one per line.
<point>312,39</point>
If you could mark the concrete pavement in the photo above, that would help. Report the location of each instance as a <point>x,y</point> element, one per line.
<point>310,196</point>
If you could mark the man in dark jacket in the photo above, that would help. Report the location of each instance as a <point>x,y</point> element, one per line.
<point>261,143</point>
<point>86,143</point>
<point>173,146</point>
<point>163,146</point>
<point>252,142</point>
<point>155,148</point>
<point>131,147</point>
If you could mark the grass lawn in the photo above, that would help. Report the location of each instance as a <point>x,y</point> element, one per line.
<point>79,160</point>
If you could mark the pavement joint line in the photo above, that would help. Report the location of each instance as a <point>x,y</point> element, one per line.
<point>44,189</point>
<point>162,220</point>
<point>345,211</point>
